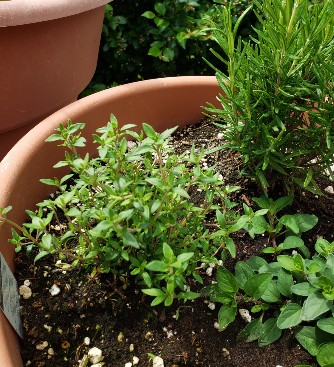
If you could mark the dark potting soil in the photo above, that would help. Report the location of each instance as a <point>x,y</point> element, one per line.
<point>119,320</point>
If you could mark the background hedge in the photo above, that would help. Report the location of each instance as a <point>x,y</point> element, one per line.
<point>144,39</point>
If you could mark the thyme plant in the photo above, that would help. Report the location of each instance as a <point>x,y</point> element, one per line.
<point>128,211</point>
<point>277,95</point>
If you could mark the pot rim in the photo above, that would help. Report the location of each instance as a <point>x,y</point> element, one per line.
<point>19,12</point>
<point>20,149</point>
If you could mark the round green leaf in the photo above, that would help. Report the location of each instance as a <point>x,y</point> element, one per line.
<point>243,272</point>
<point>287,262</point>
<point>291,242</point>
<point>272,293</point>
<point>226,315</point>
<point>251,332</point>
<point>326,325</point>
<point>226,281</point>
<point>323,247</point>
<point>290,316</point>
<point>255,262</point>
<point>259,224</point>
<point>284,282</point>
<point>315,305</point>
<point>257,284</point>
<point>305,221</point>
<point>148,15</point>
<point>269,333</point>
<point>325,354</point>
<point>302,289</point>
<point>307,339</point>
<point>154,51</point>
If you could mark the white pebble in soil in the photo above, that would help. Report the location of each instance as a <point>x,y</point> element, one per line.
<point>245,315</point>
<point>209,272</point>
<point>149,336</point>
<point>329,189</point>
<point>135,360</point>
<point>211,305</point>
<point>54,290</point>
<point>25,291</point>
<point>47,327</point>
<point>42,345</point>
<point>158,362</point>
<point>169,333</point>
<point>226,352</point>
<point>95,355</point>
<point>120,337</point>
<point>217,326</point>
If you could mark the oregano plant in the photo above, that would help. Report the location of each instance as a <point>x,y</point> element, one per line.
<point>294,291</point>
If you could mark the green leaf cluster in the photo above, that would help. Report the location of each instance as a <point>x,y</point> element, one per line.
<point>128,210</point>
<point>267,220</point>
<point>156,38</point>
<point>277,93</point>
<point>294,292</point>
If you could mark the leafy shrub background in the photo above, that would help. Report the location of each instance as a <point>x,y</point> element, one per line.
<point>148,39</point>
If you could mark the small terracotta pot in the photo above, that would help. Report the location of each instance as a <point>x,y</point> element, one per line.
<point>48,54</point>
<point>163,103</point>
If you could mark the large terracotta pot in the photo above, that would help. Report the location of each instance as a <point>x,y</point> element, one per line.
<point>163,103</point>
<point>48,54</point>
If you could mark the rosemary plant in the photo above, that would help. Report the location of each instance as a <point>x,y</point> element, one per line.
<point>277,93</point>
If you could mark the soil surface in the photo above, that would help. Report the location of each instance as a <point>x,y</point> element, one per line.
<point>116,318</point>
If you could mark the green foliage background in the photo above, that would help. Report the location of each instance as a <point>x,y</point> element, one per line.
<point>169,39</point>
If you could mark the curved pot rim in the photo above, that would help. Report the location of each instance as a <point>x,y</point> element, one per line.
<point>86,103</point>
<point>19,12</point>
<point>14,160</point>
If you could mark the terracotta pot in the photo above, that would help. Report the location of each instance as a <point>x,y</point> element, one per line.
<point>163,103</point>
<point>48,54</point>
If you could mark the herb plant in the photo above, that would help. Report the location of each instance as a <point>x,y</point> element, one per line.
<point>277,94</point>
<point>128,210</point>
<point>295,291</point>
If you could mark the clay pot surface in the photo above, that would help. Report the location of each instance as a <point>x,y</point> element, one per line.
<point>48,54</point>
<point>18,12</point>
<point>163,103</point>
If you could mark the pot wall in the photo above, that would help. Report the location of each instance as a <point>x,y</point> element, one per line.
<point>44,66</point>
<point>163,103</point>
<point>18,12</point>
